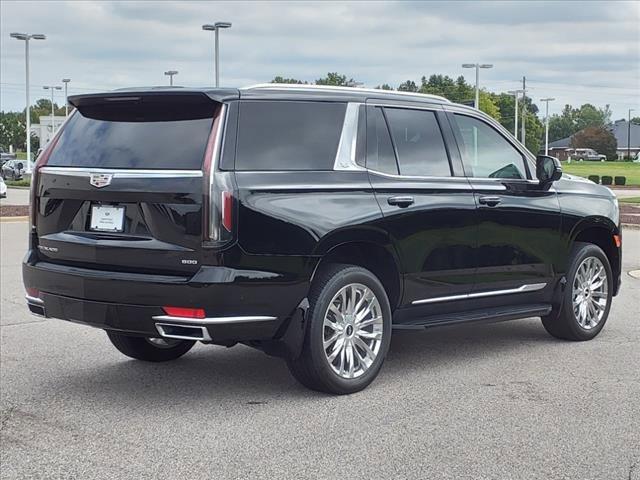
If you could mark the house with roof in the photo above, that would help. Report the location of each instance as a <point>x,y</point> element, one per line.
<point>620,129</point>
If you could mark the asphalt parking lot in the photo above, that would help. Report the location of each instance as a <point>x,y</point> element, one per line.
<point>488,401</point>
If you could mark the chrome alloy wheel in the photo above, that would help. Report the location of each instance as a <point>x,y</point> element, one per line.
<point>352,330</point>
<point>590,292</point>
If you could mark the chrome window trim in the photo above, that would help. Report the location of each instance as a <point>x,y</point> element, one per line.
<point>214,320</point>
<point>522,289</point>
<point>119,172</point>
<point>463,180</point>
<point>346,154</point>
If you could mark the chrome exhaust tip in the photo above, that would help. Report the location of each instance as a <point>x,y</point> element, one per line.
<point>183,332</point>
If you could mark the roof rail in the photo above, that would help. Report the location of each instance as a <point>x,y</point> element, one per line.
<point>298,86</point>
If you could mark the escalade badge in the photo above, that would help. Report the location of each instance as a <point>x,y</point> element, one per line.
<point>100,180</point>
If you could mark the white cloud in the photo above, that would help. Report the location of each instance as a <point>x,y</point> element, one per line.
<point>576,52</point>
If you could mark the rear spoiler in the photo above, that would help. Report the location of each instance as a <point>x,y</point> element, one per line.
<point>164,94</point>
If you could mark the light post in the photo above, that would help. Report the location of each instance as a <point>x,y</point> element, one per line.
<point>546,124</point>
<point>216,28</point>
<point>170,74</point>
<point>26,37</point>
<point>477,66</point>
<point>53,113</point>
<point>66,96</point>
<point>515,93</point>
<point>629,134</point>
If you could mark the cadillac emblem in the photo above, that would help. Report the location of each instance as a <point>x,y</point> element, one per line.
<point>100,180</point>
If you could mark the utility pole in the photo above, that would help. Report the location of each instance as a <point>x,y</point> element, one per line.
<point>524,110</point>
<point>629,134</point>
<point>546,124</point>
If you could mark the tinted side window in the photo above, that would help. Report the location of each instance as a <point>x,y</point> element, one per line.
<point>288,135</point>
<point>419,143</point>
<point>486,153</point>
<point>380,155</point>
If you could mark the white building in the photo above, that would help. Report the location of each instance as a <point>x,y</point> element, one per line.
<point>44,130</point>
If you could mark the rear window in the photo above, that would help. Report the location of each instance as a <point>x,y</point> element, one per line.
<point>283,135</point>
<point>151,136</point>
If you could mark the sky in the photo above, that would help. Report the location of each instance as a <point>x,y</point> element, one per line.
<point>577,52</point>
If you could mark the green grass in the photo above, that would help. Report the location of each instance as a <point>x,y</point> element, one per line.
<point>629,200</point>
<point>18,183</point>
<point>614,169</point>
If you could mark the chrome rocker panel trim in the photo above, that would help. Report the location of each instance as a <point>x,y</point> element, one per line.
<point>522,289</point>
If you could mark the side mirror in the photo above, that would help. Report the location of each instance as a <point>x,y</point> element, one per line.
<point>548,170</point>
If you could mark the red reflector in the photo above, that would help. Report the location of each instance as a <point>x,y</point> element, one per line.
<point>184,312</point>
<point>33,292</point>
<point>618,240</point>
<point>227,211</point>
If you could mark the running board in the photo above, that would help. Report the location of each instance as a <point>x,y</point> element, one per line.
<point>486,315</point>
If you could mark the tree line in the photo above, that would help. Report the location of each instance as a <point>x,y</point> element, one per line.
<point>13,124</point>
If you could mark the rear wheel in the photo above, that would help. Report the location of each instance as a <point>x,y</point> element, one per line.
<point>150,349</point>
<point>587,296</point>
<point>348,331</point>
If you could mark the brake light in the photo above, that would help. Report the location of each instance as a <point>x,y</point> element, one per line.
<point>33,292</point>
<point>218,189</point>
<point>617,240</point>
<point>41,161</point>
<point>184,312</point>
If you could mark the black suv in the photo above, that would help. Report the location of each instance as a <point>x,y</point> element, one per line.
<point>308,222</point>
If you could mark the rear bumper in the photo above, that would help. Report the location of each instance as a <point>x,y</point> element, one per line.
<point>237,308</point>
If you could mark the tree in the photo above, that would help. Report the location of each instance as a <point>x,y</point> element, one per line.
<point>599,138</point>
<point>335,79</point>
<point>572,120</point>
<point>280,79</point>
<point>635,120</point>
<point>457,90</point>
<point>384,86</point>
<point>12,130</point>
<point>43,107</point>
<point>488,106</point>
<point>408,86</point>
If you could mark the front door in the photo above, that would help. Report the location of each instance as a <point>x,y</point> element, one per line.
<point>519,241</point>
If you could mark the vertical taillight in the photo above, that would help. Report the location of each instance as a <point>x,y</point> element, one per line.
<point>40,162</point>
<point>218,188</point>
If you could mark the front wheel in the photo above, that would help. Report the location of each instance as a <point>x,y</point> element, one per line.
<point>348,331</point>
<point>150,349</point>
<point>587,296</point>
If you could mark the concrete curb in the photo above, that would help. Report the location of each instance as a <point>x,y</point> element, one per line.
<point>13,219</point>
<point>631,226</point>
<point>18,188</point>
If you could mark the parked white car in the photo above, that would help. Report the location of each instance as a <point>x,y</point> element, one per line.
<point>588,154</point>
<point>3,189</point>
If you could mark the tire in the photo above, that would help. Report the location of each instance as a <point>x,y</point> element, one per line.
<point>568,322</point>
<point>313,367</point>
<point>142,348</point>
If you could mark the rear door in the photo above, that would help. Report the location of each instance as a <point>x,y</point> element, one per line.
<point>429,212</point>
<point>122,187</point>
<point>519,241</point>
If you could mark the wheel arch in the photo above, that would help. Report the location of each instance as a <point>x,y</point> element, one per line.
<point>378,257</point>
<point>600,231</point>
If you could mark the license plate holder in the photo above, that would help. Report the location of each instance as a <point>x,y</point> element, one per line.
<point>106,218</point>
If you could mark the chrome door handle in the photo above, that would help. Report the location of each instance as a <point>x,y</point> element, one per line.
<point>490,201</point>
<point>402,202</point>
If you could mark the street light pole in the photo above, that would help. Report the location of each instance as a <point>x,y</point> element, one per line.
<point>515,93</point>
<point>26,37</point>
<point>546,124</point>
<point>477,66</point>
<point>170,74</point>
<point>215,28</point>
<point>53,113</point>
<point>66,96</point>
<point>629,134</point>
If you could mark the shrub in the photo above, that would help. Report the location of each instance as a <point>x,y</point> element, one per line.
<point>594,178</point>
<point>18,183</point>
<point>607,180</point>
<point>619,180</point>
